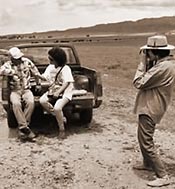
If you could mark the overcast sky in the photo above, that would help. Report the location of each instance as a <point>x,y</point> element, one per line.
<point>24,16</point>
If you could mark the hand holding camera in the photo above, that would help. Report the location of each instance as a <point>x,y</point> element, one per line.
<point>148,59</point>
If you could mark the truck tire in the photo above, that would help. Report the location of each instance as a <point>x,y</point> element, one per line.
<point>11,119</point>
<point>86,116</point>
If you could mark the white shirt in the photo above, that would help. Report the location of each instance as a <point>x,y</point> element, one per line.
<point>50,73</point>
<point>64,76</point>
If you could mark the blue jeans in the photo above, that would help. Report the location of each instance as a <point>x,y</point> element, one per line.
<point>23,106</point>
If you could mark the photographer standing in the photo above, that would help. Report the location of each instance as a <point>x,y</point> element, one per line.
<point>155,78</point>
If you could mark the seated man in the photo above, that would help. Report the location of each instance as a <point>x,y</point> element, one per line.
<point>19,70</point>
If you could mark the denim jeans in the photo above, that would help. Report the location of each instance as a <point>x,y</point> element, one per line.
<point>146,129</point>
<point>23,106</point>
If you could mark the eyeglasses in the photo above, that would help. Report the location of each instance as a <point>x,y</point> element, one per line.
<point>50,58</point>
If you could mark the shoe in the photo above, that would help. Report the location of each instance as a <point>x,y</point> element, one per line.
<point>142,167</point>
<point>158,182</point>
<point>21,135</point>
<point>25,134</point>
<point>28,138</point>
<point>31,135</point>
<point>25,130</point>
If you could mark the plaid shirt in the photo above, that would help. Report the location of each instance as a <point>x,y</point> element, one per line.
<point>19,74</point>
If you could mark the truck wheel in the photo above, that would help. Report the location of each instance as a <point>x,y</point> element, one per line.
<point>86,116</point>
<point>11,119</point>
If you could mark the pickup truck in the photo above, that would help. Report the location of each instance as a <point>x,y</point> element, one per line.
<point>88,85</point>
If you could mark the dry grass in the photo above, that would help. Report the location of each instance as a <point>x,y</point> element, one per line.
<point>117,62</point>
<point>117,65</point>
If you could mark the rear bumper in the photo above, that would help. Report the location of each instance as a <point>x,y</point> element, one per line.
<point>77,103</point>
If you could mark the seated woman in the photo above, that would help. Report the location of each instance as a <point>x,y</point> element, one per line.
<point>61,89</point>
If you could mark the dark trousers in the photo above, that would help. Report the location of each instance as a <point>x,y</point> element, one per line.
<point>146,129</point>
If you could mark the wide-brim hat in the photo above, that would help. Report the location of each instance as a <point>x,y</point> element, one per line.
<point>15,52</point>
<point>158,42</point>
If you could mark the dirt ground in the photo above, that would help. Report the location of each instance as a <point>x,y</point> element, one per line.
<point>98,156</point>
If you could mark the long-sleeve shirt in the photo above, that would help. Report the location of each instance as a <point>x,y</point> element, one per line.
<point>155,88</point>
<point>20,74</point>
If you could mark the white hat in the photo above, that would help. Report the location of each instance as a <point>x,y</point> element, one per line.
<point>15,53</point>
<point>158,42</point>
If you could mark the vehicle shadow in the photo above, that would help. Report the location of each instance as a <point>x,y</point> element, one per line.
<point>78,128</point>
<point>145,175</point>
<point>48,126</point>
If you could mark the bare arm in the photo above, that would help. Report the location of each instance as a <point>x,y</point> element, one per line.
<point>61,89</point>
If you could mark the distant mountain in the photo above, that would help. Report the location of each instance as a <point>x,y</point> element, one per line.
<point>163,24</point>
<point>147,25</point>
<point>157,25</point>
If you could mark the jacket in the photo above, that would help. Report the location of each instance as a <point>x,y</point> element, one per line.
<point>155,88</point>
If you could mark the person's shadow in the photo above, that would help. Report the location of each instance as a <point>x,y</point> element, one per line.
<point>149,175</point>
<point>170,167</point>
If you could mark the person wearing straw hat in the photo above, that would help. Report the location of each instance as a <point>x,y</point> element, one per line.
<point>19,69</point>
<point>155,79</point>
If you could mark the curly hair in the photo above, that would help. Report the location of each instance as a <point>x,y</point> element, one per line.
<point>59,55</point>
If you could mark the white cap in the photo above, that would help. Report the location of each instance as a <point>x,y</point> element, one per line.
<point>15,53</point>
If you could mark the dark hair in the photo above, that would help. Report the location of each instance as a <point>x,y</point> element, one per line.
<point>161,53</point>
<point>58,55</point>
